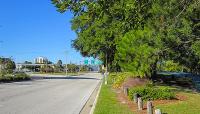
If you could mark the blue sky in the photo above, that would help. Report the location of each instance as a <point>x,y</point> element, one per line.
<point>32,28</point>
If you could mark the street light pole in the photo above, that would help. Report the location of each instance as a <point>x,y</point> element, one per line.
<point>66,64</point>
<point>80,67</point>
<point>0,56</point>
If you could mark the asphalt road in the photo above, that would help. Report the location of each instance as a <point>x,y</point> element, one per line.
<point>51,95</point>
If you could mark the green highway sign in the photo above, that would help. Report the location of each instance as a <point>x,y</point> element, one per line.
<point>99,62</point>
<point>85,62</point>
<point>93,62</point>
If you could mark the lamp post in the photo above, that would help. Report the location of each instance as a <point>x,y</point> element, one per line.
<point>0,56</point>
<point>80,67</point>
<point>66,63</point>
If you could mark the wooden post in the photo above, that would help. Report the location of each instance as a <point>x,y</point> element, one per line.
<point>158,111</point>
<point>149,107</point>
<point>126,91</point>
<point>140,104</point>
<point>135,97</point>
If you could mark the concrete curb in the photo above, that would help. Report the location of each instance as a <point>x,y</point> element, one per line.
<point>90,104</point>
<point>96,99</point>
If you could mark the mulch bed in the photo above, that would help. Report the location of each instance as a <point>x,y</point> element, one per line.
<point>131,82</point>
<point>133,106</point>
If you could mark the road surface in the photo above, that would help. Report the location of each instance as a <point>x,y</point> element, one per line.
<point>51,95</point>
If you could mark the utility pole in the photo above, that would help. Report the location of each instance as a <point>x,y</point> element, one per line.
<point>1,65</point>
<point>66,63</point>
<point>80,67</point>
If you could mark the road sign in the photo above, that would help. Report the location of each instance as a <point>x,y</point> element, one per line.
<point>85,62</point>
<point>93,62</point>
<point>99,62</point>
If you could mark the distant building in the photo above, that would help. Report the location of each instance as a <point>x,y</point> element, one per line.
<point>41,60</point>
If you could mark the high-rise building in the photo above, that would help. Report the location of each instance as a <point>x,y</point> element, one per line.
<point>41,60</point>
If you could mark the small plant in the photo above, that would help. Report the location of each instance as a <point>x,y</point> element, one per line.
<point>152,93</point>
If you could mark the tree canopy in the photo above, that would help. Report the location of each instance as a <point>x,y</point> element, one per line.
<point>7,65</point>
<point>137,35</point>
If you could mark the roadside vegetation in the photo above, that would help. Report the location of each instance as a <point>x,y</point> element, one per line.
<point>190,105</point>
<point>7,74</point>
<point>14,77</point>
<point>171,99</point>
<point>137,36</point>
<point>152,92</point>
<point>108,102</point>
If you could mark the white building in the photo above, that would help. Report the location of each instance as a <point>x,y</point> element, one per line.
<point>41,60</point>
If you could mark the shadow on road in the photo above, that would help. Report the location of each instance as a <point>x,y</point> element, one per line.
<point>70,77</point>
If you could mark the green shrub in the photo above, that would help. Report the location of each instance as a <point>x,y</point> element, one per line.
<point>111,78</point>
<point>119,80</point>
<point>172,66</point>
<point>152,93</point>
<point>6,78</point>
<point>116,79</point>
<point>21,76</point>
<point>14,77</point>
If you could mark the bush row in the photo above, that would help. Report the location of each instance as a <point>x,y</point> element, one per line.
<point>147,92</point>
<point>152,92</point>
<point>14,77</point>
<point>116,79</point>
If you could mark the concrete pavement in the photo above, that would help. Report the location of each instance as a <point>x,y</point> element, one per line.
<point>51,95</point>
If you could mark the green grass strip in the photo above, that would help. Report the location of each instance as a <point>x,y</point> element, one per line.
<point>108,104</point>
<point>189,106</point>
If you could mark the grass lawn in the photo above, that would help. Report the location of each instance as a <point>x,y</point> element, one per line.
<point>107,103</point>
<point>190,106</point>
<point>188,103</point>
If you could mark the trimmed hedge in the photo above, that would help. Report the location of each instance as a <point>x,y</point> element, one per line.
<point>152,93</point>
<point>14,77</point>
